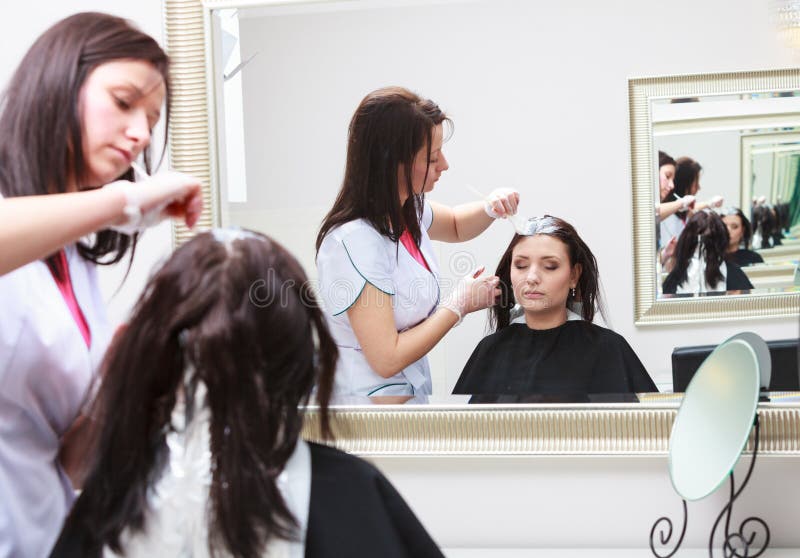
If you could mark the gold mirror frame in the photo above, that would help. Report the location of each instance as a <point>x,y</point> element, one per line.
<point>497,430</point>
<point>648,310</point>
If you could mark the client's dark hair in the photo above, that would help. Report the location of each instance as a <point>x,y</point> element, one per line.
<point>706,229</point>
<point>236,308</point>
<point>587,291</point>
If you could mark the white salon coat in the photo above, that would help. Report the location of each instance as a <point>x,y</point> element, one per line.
<point>45,373</point>
<point>353,255</point>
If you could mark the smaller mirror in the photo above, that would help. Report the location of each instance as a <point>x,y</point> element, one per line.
<point>715,418</point>
<point>743,129</point>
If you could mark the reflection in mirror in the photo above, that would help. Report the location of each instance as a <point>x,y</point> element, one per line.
<point>729,153</point>
<point>707,118</point>
<point>281,136</point>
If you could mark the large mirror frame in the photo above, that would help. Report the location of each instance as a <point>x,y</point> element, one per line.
<point>648,309</point>
<point>496,430</point>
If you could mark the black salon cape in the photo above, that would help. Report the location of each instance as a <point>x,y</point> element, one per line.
<point>743,257</point>
<point>353,512</point>
<point>735,280</point>
<point>576,357</point>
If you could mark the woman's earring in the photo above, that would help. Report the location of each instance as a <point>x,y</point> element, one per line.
<point>572,292</point>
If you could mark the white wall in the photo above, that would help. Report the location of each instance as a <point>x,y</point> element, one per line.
<point>19,31</point>
<point>538,93</point>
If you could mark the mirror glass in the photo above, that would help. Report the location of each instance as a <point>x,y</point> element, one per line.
<point>747,150</point>
<point>280,113</point>
<point>714,419</point>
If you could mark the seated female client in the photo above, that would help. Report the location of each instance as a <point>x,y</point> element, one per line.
<point>700,263</point>
<point>198,449</point>
<point>552,347</point>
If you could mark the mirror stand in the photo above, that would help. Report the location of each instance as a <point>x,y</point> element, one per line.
<point>737,544</point>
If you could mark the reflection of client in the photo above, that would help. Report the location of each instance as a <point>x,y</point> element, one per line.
<point>739,235</point>
<point>198,449</point>
<point>550,348</point>
<point>700,264</point>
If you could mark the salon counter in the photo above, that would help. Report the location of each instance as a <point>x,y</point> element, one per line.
<point>503,480</point>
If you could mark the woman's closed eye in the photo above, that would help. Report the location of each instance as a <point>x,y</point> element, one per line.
<point>122,103</point>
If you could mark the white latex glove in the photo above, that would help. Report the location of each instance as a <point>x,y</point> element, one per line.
<point>473,292</point>
<point>150,201</point>
<point>501,203</point>
<point>687,201</point>
<point>716,201</point>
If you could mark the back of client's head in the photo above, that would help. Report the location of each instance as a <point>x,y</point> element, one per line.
<point>233,310</point>
<point>587,292</point>
<point>705,231</point>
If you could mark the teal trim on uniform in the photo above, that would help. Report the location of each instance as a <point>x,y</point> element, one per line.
<point>390,385</point>
<point>355,299</point>
<point>432,216</point>
<point>346,251</point>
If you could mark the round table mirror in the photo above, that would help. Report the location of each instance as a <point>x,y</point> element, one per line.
<point>715,417</point>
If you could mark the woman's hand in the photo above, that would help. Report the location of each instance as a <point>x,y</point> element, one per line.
<point>687,202</point>
<point>473,292</point>
<point>166,194</point>
<point>501,203</point>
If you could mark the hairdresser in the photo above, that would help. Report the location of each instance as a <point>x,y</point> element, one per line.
<point>77,113</point>
<point>378,275</point>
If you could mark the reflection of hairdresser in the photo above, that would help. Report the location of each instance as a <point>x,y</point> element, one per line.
<point>377,269</point>
<point>700,265</point>
<point>739,235</point>
<point>552,346</point>
<point>687,185</point>
<point>78,110</point>
<point>198,448</point>
<point>666,184</point>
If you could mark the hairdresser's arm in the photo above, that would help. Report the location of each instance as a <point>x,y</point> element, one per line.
<point>665,209</point>
<point>668,208</point>
<point>459,223</point>
<point>33,227</point>
<point>466,221</point>
<point>388,351</point>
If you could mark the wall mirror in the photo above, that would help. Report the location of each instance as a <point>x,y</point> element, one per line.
<point>742,128</point>
<point>227,134</point>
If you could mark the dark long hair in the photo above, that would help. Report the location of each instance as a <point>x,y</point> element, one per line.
<point>587,291</point>
<point>687,171</point>
<point>40,125</point>
<point>236,308</point>
<point>664,159</point>
<point>387,130</point>
<point>707,230</point>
